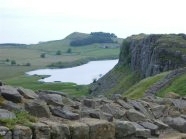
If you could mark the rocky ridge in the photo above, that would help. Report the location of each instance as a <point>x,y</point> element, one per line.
<point>63,117</point>
<point>145,55</point>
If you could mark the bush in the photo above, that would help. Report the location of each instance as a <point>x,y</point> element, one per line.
<point>43,55</point>
<point>28,64</point>
<point>58,52</point>
<point>13,62</point>
<point>69,50</point>
<point>7,60</point>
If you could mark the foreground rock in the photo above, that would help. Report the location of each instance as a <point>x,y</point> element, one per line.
<point>11,94</point>
<point>37,108</point>
<point>60,117</point>
<point>5,114</point>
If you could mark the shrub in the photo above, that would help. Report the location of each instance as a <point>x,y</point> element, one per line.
<point>43,55</point>
<point>69,50</point>
<point>58,52</point>
<point>13,62</point>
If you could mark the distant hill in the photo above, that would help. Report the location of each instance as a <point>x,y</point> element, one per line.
<point>12,45</point>
<point>79,39</point>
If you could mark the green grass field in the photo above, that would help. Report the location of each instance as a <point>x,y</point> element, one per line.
<point>29,58</point>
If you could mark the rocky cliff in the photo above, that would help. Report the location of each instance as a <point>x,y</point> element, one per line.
<point>145,55</point>
<point>152,54</point>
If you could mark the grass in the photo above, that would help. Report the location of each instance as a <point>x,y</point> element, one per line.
<point>138,89</point>
<point>22,117</point>
<point>124,79</point>
<point>177,86</point>
<point>15,74</point>
<point>31,82</point>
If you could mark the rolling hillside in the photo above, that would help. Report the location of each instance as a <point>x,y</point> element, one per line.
<point>145,60</point>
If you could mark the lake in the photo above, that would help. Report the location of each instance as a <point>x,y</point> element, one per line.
<point>81,75</point>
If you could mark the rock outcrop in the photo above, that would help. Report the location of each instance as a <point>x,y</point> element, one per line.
<point>91,118</point>
<point>146,55</point>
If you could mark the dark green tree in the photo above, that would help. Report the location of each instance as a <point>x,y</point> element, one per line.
<point>13,62</point>
<point>43,55</point>
<point>58,52</point>
<point>69,50</point>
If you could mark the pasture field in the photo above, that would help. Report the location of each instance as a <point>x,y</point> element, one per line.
<point>15,61</point>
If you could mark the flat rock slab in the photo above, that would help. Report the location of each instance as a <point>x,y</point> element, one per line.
<point>58,130</point>
<point>5,114</point>
<point>22,132</point>
<point>11,93</point>
<point>66,114</point>
<point>123,129</point>
<point>135,116</point>
<point>41,131</point>
<point>27,93</point>
<point>37,108</point>
<point>79,130</point>
<point>100,129</point>
<point>52,99</point>
<point>5,133</point>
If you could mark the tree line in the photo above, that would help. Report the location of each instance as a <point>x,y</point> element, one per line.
<point>94,37</point>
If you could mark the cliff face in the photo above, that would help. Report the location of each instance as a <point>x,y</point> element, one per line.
<point>145,55</point>
<point>153,54</point>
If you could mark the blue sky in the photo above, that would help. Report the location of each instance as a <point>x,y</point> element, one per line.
<point>31,21</point>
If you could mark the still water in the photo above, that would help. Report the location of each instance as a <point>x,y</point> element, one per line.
<point>81,75</point>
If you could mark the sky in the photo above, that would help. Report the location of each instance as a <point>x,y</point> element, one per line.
<point>32,21</point>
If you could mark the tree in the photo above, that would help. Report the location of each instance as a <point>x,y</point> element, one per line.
<point>7,60</point>
<point>13,62</point>
<point>43,55</point>
<point>69,50</point>
<point>58,52</point>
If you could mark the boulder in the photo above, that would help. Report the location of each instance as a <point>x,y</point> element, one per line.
<point>11,106</point>
<point>135,116</point>
<point>5,114</point>
<point>152,127</point>
<point>141,132</point>
<point>58,130</point>
<point>90,113</point>
<point>124,104</point>
<point>89,103</point>
<point>69,102</point>
<point>53,92</point>
<point>161,125</point>
<point>172,95</point>
<point>37,108</point>
<point>79,130</point>
<point>179,104</point>
<point>140,107</point>
<point>52,99</point>
<point>5,133</point>
<point>99,129</point>
<point>22,132</point>
<point>177,123</point>
<point>123,129</point>
<point>64,113</point>
<point>41,131</point>
<point>27,93</point>
<point>158,111</point>
<point>11,94</point>
<point>114,110</point>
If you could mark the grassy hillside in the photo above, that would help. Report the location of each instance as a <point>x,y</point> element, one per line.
<point>16,60</point>
<point>145,55</point>
<point>177,86</point>
<point>138,89</point>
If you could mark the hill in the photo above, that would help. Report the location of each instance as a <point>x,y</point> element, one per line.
<point>16,60</point>
<point>142,56</point>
